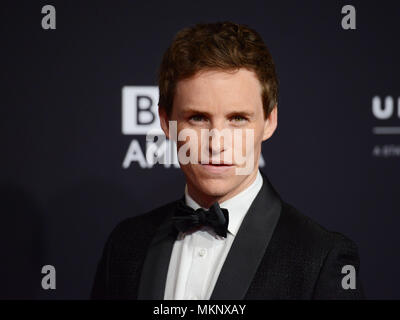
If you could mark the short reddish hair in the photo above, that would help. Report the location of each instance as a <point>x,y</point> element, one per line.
<point>217,46</point>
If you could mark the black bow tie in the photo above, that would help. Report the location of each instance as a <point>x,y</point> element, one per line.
<point>186,218</point>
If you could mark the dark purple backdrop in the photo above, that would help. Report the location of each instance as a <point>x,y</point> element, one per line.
<point>63,187</point>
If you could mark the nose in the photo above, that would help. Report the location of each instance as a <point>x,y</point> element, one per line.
<point>215,145</point>
<point>216,138</point>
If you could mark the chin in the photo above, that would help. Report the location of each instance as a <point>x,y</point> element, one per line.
<point>212,184</point>
<point>215,186</point>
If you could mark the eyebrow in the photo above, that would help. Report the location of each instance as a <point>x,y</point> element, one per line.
<point>192,110</point>
<point>241,113</point>
<point>230,114</point>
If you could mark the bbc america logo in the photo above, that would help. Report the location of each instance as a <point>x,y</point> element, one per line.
<point>140,118</point>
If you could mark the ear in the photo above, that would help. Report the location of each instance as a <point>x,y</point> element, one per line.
<point>162,113</point>
<point>271,123</point>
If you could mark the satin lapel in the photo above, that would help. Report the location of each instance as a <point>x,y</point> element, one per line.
<point>249,246</point>
<point>155,267</point>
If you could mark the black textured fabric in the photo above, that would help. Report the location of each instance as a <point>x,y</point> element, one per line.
<point>187,219</point>
<point>302,259</point>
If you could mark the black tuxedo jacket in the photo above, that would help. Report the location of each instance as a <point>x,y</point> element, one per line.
<point>278,253</point>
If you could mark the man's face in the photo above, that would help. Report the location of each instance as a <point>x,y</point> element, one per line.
<point>220,100</point>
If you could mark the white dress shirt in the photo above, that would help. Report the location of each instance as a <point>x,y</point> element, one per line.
<point>197,257</point>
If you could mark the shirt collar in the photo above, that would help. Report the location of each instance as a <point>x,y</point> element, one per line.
<point>237,205</point>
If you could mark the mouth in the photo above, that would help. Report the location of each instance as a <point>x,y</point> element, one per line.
<point>217,168</point>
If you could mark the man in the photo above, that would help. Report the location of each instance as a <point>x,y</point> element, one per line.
<point>230,236</point>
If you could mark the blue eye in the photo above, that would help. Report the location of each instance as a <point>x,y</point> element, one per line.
<point>238,118</point>
<point>197,117</point>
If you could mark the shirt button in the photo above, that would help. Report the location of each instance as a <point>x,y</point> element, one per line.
<point>202,252</point>
<point>194,298</point>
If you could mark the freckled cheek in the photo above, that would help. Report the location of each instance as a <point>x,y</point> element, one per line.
<point>246,141</point>
<point>191,142</point>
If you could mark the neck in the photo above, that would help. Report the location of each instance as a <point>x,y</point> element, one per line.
<point>206,200</point>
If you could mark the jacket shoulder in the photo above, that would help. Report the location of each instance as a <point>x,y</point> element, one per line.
<point>142,225</point>
<point>306,232</point>
<point>119,268</point>
<point>303,260</point>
